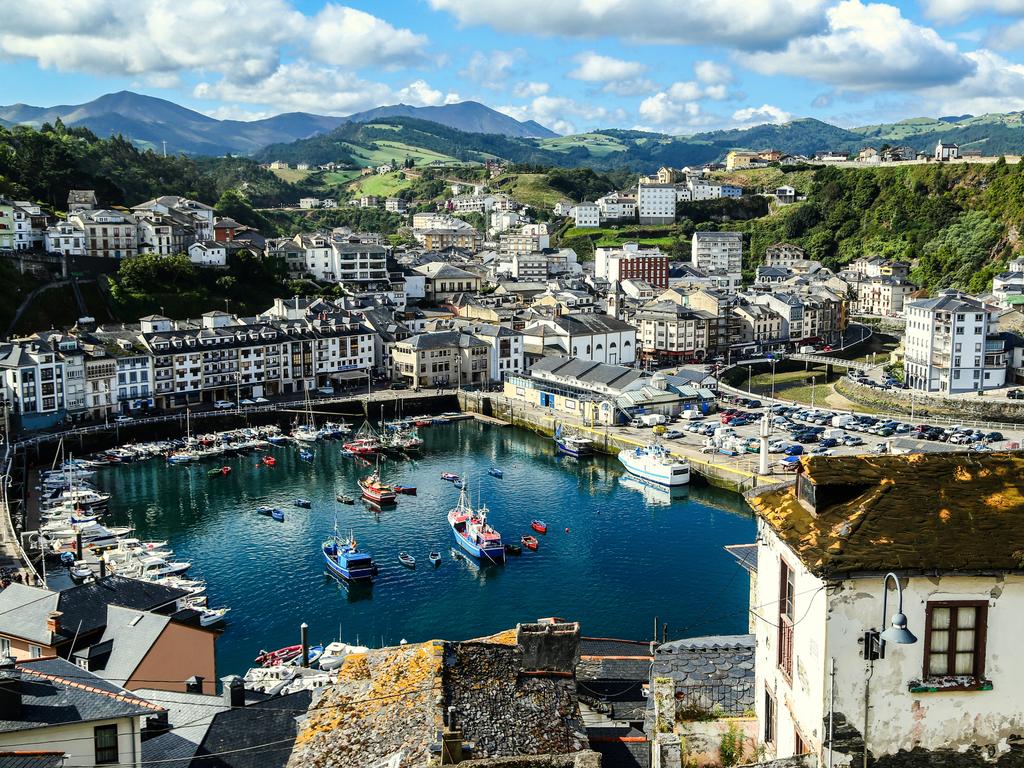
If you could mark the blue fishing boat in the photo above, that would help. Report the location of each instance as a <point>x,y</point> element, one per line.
<point>473,533</point>
<point>304,503</point>
<point>344,559</point>
<point>265,510</point>
<point>572,444</point>
<point>495,472</point>
<point>278,514</point>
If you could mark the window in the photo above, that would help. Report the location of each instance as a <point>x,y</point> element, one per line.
<point>5,646</point>
<point>35,651</point>
<point>105,740</point>
<point>787,592</point>
<point>799,745</point>
<point>769,718</point>
<point>954,641</point>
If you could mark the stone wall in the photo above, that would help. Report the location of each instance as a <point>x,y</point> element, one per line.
<point>584,759</point>
<point>965,409</point>
<point>504,712</point>
<point>702,738</point>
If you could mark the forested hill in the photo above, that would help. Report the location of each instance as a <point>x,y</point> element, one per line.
<point>957,224</point>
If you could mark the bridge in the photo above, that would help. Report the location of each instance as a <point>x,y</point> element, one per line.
<point>830,362</point>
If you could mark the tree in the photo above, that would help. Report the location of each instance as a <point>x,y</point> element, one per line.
<point>151,273</point>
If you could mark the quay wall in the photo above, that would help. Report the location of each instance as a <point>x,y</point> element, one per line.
<point>520,414</point>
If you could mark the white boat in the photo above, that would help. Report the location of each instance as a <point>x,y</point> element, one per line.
<point>334,654</point>
<point>655,465</point>
<point>208,617</point>
<point>151,568</point>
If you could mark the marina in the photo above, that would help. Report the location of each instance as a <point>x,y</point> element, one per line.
<point>607,543</point>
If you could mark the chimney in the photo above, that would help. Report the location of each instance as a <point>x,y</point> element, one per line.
<point>194,684</point>
<point>233,691</point>
<point>10,690</point>
<point>53,622</point>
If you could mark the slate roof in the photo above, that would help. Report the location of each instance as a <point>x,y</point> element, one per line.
<point>189,715</point>
<point>950,302</point>
<point>745,554</point>
<point>270,722</point>
<point>609,646</point>
<point>587,371</point>
<point>24,610</point>
<point>55,691</point>
<point>133,634</point>
<point>31,759</point>
<point>620,747</point>
<point>714,673</point>
<point>933,512</point>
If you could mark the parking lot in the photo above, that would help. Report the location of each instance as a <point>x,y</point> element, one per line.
<point>796,430</point>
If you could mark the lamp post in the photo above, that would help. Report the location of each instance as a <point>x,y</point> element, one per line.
<point>874,644</point>
<point>814,380</point>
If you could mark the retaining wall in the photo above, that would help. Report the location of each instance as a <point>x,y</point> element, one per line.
<point>982,411</point>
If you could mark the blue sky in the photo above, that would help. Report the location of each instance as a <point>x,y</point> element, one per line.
<point>667,65</point>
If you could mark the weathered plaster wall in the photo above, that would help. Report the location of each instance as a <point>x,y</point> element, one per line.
<point>703,738</point>
<point>799,701</point>
<point>990,722</point>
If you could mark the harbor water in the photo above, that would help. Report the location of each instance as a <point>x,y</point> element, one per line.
<point>617,554</point>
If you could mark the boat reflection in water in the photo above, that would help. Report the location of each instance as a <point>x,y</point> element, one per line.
<point>655,495</point>
<point>354,591</point>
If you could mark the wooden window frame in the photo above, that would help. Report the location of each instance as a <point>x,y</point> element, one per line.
<point>980,637</point>
<point>771,723</point>
<point>784,633</point>
<point>106,729</point>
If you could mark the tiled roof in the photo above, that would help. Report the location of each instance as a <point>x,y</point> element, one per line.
<point>933,512</point>
<point>714,673</point>
<point>26,759</point>
<point>55,691</point>
<point>236,731</point>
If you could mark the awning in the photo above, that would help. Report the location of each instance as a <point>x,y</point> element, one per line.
<point>349,375</point>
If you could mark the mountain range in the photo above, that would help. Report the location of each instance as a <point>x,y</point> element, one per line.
<point>150,121</point>
<point>472,131</point>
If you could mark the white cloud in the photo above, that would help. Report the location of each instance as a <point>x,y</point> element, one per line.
<point>637,87</point>
<point>712,73</point>
<point>563,115</point>
<point>492,70</point>
<point>869,47</point>
<point>997,85</point>
<point>595,68</point>
<point>766,113</point>
<point>949,11</point>
<point>351,38</point>
<point>674,116</point>
<point>529,90</point>
<point>244,41</point>
<point>740,23</point>
<point>303,86</point>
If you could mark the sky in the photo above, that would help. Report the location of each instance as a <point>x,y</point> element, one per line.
<point>674,66</point>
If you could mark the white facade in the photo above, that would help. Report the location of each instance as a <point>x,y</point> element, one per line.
<point>718,251</point>
<point>76,741</point>
<point>209,254</point>
<point>617,207</point>
<point>65,238</point>
<point>656,203</point>
<point>587,214</point>
<point>948,346</point>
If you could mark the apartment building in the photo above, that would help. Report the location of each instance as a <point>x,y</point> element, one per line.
<point>65,238</point>
<point>630,262</point>
<point>30,223</point>
<point>108,234</point>
<point>759,325</point>
<point>883,296</point>
<point>656,203</point>
<point>529,239</point>
<point>670,332</point>
<point>586,214</point>
<point>951,347</point>
<point>441,359</point>
<point>784,255</point>
<point>617,207</point>
<point>442,281</point>
<point>436,232</point>
<point>190,213</point>
<point>718,252</point>
<point>338,257</point>
<point>32,381</point>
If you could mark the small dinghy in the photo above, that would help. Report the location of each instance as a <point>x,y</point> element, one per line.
<point>495,472</point>
<point>280,656</point>
<point>211,617</point>
<point>451,477</point>
<point>513,549</point>
<point>303,503</point>
<point>269,461</point>
<point>343,499</point>
<point>334,654</point>
<point>81,571</point>
<point>264,510</point>
<point>539,526</point>
<point>306,455</point>
<point>407,560</point>
<point>530,542</point>
<point>278,514</point>
<point>408,490</point>
<point>434,557</point>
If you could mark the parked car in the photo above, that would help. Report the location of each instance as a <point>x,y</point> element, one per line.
<point>672,434</point>
<point>828,442</point>
<point>1015,394</point>
<point>794,450</point>
<point>246,401</point>
<point>223,404</point>
<point>123,419</point>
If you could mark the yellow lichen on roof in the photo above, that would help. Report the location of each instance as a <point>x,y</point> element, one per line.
<point>505,637</point>
<point>926,511</point>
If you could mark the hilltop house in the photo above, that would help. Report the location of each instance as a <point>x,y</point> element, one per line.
<point>890,591</point>
<point>946,151</point>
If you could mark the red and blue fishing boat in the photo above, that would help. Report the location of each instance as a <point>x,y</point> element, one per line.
<point>373,489</point>
<point>539,526</point>
<point>473,533</point>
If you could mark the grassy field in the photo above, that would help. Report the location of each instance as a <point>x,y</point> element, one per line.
<point>767,178</point>
<point>598,144</point>
<point>610,237</point>
<point>395,150</point>
<point>529,188</point>
<point>798,387</point>
<point>291,175</point>
<point>383,186</point>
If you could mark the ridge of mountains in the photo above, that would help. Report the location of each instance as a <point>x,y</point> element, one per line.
<point>470,131</point>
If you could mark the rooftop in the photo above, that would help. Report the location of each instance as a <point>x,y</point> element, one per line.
<point>917,512</point>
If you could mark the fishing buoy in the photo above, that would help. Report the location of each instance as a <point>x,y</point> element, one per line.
<point>566,530</point>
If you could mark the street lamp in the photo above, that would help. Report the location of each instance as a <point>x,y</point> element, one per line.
<point>814,383</point>
<point>875,640</point>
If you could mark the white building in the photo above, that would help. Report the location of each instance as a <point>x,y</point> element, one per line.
<point>586,214</point>
<point>942,685</point>
<point>946,151</point>
<point>395,205</point>
<point>656,203</point>
<point>590,336</point>
<point>718,251</point>
<point>784,255</point>
<point>630,262</point>
<point>208,254</point>
<point>616,206</point>
<point>309,202</point>
<point>950,345</point>
<point>32,381</point>
<point>65,238</point>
